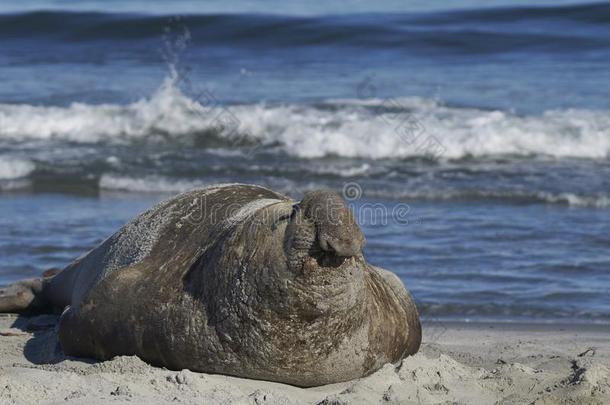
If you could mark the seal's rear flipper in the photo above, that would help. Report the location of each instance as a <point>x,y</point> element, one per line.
<point>24,296</point>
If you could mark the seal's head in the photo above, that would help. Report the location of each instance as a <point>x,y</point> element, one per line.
<point>324,227</point>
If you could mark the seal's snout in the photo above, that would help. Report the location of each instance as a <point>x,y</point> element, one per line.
<point>344,248</point>
<point>337,231</point>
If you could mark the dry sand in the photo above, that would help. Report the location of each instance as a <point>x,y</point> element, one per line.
<point>458,363</point>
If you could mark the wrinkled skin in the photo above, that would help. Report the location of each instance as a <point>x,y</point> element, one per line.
<point>239,280</point>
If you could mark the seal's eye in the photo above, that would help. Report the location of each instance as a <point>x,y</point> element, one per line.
<point>295,208</point>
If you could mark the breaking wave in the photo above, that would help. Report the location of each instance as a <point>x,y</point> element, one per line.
<point>371,128</point>
<point>162,184</point>
<point>12,168</point>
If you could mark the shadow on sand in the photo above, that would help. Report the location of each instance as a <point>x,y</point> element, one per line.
<point>43,347</point>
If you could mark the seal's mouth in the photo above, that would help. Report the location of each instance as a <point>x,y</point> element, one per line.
<point>322,264</point>
<point>326,258</point>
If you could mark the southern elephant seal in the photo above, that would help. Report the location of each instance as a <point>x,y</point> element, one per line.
<point>237,280</point>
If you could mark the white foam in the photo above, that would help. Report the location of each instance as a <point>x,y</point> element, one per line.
<point>168,111</point>
<point>165,185</point>
<point>148,184</point>
<point>8,185</point>
<point>338,170</point>
<point>518,196</point>
<point>574,200</point>
<point>351,128</point>
<point>354,131</point>
<point>14,168</point>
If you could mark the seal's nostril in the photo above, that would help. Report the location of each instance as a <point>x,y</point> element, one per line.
<point>343,249</point>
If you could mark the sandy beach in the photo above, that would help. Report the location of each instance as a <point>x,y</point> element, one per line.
<point>459,363</point>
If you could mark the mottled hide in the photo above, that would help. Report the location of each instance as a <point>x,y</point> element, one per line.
<point>237,280</point>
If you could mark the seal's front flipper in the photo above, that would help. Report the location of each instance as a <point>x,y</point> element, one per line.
<point>24,296</point>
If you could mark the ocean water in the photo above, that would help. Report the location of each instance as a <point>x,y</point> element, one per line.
<point>471,138</point>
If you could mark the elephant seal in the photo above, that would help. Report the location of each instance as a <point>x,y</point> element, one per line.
<point>236,280</point>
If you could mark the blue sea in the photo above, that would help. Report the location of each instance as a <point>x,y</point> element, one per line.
<point>472,138</point>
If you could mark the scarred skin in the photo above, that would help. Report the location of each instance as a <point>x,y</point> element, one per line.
<point>236,280</point>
